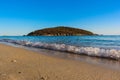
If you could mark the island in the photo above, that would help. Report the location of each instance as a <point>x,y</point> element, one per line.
<point>60,31</point>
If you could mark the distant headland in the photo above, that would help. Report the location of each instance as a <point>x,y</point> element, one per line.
<point>60,31</point>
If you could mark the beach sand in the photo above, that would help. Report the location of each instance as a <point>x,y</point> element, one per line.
<point>21,64</point>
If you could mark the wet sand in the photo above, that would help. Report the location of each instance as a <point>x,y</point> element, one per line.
<point>21,64</point>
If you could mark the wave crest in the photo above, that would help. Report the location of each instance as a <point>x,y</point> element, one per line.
<point>90,51</point>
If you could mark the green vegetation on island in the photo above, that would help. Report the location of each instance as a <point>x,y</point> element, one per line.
<point>60,31</point>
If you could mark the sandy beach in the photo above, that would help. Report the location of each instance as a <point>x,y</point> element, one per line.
<point>21,64</point>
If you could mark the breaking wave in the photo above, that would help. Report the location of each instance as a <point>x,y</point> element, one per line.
<point>90,51</point>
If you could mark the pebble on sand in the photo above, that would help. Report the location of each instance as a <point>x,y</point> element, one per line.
<point>13,61</point>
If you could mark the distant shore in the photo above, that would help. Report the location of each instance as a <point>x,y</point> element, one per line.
<point>21,64</point>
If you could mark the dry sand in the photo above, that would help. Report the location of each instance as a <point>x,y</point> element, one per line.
<point>21,64</point>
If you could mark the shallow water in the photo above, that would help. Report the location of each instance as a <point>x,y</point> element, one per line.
<point>107,41</point>
<point>107,46</point>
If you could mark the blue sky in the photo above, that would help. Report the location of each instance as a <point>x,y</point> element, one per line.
<point>19,17</point>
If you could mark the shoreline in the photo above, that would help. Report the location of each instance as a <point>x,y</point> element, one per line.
<point>21,64</point>
<point>100,61</point>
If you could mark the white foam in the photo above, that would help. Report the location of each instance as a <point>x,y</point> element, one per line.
<point>90,51</point>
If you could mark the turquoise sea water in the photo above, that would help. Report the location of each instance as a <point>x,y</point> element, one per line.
<point>107,46</point>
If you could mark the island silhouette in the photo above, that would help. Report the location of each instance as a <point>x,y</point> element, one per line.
<point>60,31</point>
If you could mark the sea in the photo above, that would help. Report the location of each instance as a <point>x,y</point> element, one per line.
<point>100,49</point>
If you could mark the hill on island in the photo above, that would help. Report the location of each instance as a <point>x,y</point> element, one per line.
<point>60,31</point>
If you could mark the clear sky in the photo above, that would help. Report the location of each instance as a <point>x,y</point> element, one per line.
<point>19,17</point>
